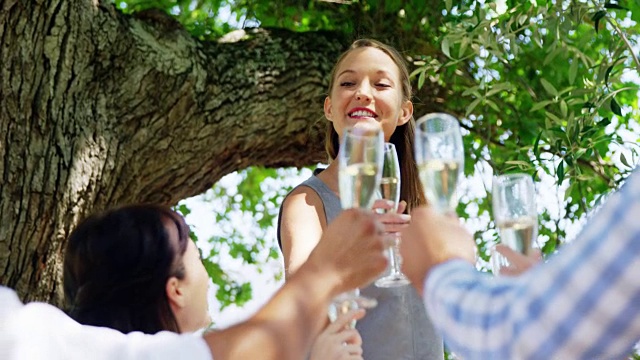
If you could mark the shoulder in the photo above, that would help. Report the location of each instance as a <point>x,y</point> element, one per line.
<point>301,226</point>
<point>302,202</point>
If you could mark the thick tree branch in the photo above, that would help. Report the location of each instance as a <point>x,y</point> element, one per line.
<point>99,109</point>
<point>189,112</point>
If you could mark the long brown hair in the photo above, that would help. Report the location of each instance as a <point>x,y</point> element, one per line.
<point>402,137</point>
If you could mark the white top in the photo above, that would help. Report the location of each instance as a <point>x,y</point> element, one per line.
<point>41,331</point>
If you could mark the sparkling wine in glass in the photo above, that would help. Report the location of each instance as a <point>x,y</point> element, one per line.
<point>440,158</point>
<point>515,215</point>
<point>390,190</point>
<point>358,183</point>
<point>360,161</point>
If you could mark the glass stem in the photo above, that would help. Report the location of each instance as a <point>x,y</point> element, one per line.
<point>394,255</point>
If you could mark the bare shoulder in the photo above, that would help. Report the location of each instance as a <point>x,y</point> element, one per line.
<point>301,197</point>
<point>301,226</point>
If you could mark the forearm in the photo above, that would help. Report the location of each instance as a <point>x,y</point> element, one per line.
<point>583,303</point>
<point>286,326</point>
<point>462,303</point>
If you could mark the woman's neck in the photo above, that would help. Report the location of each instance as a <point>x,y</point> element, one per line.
<point>329,177</point>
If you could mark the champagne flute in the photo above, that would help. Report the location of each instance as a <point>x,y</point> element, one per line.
<point>515,214</point>
<point>360,160</point>
<point>390,190</point>
<point>440,158</point>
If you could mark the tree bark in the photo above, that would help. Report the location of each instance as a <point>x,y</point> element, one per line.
<point>98,109</point>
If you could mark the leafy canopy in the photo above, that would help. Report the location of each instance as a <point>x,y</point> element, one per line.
<point>543,87</point>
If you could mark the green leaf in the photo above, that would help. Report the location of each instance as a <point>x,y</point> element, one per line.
<point>610,5</point>
<point>623,160</point>
<point>573,70</point>
<point>606,74</point>
<point>615,108</point>
<point>540,105</point>
<point>445,47</point>
<point>604,122</point>
<point>492,105</point>
<point>519,163</point>
<point>555,118</point>
<point>417,71</point>
<point>471,90</point>
<point>549,247</point>
<point>463,46</point>
<point>472,106</point>
<point>522,19</point>
<point>499,88</point>
<point>552,55</point>
<point>549,88</point>
<point>183,209</point>
<point>536,145</point>
<point>596,18</point>
<point>560,172</point>
<point>448,5</point>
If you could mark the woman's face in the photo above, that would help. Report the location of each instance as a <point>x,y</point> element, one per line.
<point>197,281</point>
<point>192,311</point>
<point>367,88</point>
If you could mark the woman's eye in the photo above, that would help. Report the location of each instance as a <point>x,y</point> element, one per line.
<point>383,85</point>
<point>346,83</point>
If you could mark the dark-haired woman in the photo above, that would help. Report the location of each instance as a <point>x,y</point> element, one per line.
<point>135,269</point>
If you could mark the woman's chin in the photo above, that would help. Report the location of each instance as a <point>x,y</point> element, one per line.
<point>368,124</point>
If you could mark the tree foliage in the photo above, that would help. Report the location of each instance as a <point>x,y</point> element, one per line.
<point>543,87</point>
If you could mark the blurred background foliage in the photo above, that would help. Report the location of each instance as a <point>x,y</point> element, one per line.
<point>549,88</point>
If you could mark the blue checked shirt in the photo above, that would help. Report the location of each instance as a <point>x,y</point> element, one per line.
<point>583,304</point>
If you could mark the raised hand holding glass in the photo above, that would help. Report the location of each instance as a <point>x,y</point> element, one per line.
<point>515,215</point>
<point>360,160</point>
<point>440,158</point>
<point>390,190</point>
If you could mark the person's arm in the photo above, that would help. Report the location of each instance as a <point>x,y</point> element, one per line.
<point>583,303</point>
<point>301,227</point>
<point>283,329</point>
<point>349,255</point>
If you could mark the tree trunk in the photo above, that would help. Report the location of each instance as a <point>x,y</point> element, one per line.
<point>99,109</point>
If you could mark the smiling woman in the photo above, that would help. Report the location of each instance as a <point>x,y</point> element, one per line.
<point>369,84</point>
<point>367,90</point>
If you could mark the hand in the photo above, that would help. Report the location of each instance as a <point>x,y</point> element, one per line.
<point>432,239</point>
<point>338,341</point>
<point>394,221</point>
<point>518,263</point>
<point>351,250</point>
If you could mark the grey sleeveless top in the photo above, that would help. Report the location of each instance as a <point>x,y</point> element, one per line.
<point>399,327</point>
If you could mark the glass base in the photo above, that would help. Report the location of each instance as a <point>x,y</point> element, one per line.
<point>345,302</point>
<point>393,280</point>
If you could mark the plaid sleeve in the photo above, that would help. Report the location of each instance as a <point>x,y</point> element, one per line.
<point>584,303</point>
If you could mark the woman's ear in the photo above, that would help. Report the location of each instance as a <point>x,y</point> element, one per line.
<point>328,108</point>
<point>406,112</point>
<point>174,293</point>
